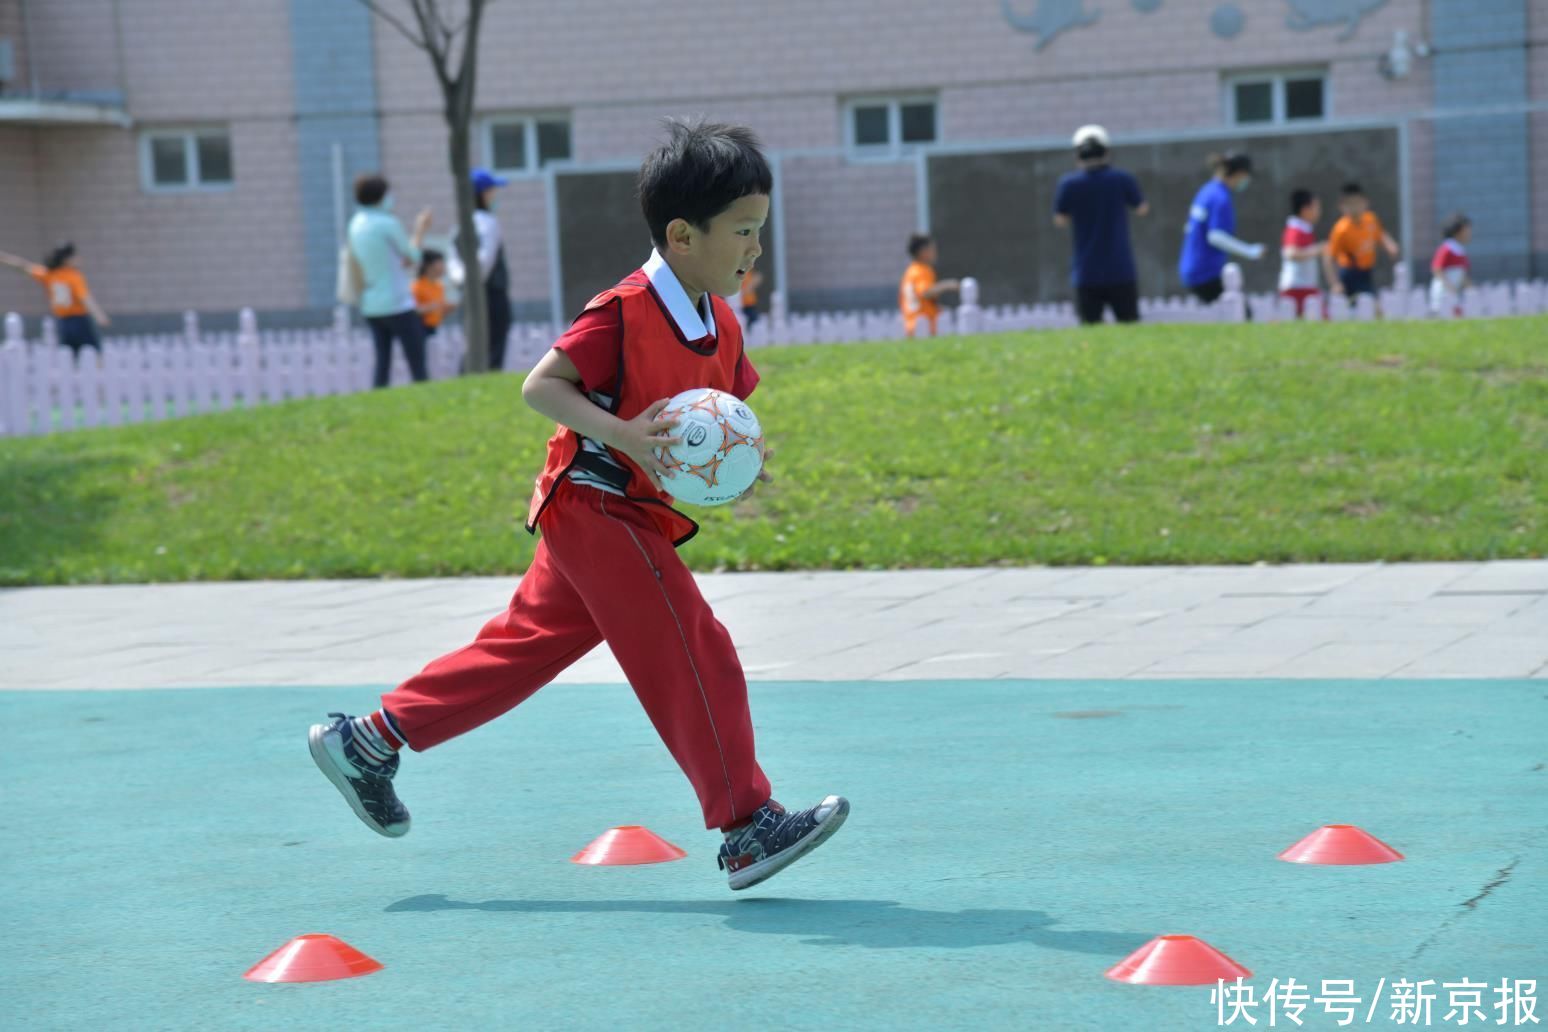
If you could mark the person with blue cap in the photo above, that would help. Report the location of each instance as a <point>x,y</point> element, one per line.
<point>491,262</point>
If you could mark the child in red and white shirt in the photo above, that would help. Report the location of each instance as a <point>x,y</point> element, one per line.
<point>1299,248</point>
<point>1449,269</point>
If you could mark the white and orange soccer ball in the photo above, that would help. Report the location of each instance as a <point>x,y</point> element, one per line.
<point>721,452</point>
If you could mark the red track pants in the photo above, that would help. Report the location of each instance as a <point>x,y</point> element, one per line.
<point>604,572</point>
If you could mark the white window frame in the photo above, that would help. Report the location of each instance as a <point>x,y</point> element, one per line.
<point>529,123</point>
<point>1277,78</point>
<point>894,149</point>
<point>189,135</point>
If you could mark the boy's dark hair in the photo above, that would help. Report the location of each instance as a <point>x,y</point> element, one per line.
<point>1230,163</point>
<point>918,242</point>
<point>701,170</point>
<point>1456,224</point>
<point>1352,190</point>
<point>1299,199</point>
<point>370,188</point>
<point>428,257</point>
<point>58,256</point>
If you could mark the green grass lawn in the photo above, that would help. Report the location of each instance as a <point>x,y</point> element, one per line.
<point>1160,444</point>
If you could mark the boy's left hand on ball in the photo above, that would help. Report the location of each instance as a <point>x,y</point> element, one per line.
<point>763,475</point>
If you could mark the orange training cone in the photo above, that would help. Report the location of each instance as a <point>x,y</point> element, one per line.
<point>628,844</point>
<point>1176,960</point>
<point>312,958</point>
<point>1340,844</point>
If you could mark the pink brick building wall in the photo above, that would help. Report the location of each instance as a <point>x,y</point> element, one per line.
<point>614,70</point>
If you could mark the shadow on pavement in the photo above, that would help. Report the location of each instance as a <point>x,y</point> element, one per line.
<point>879,924</point>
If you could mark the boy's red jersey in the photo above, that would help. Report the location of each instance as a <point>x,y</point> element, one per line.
<point>655,360</point>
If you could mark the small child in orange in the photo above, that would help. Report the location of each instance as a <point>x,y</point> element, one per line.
<point>1350,256</point>
<point>430,291</point>
<point>69,298</point>
<point>749,297</point>
<point>919,292</point>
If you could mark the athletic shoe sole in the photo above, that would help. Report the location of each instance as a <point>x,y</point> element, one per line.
<point>763,870</point>
<point>331,770</point>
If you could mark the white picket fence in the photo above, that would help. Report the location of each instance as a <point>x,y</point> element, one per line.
<point>153,377</point>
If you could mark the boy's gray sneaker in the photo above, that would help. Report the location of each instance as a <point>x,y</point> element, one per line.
<point>776,839</point>
<point>366,786</point>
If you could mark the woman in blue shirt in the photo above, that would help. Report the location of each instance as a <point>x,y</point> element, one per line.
<point>1210,235</point>
<point>386,255</point>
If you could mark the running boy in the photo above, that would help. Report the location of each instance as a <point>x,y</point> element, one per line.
<point>1450,269</point>
<point>919,292</point>
<point>1300,250</point>
<point>606,568</point>
<point>69,298</point>
<point>1350,256</point>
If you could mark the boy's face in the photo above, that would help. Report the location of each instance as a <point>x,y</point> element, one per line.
<point>715,259</point>
<point>435,270</point>
<point>928,254</point>
<point>1354,205</point>
<point>1464,234</point>
<point>1313,211</point>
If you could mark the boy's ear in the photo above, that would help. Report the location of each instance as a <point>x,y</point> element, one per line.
<point>679,236</point>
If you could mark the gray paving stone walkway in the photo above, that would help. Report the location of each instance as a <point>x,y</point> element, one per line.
<point>1419,620</point>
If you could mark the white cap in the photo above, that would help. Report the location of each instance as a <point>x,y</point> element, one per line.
<point>1093,133</point>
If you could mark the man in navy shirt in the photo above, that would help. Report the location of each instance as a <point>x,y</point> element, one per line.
<point>1096,202</point>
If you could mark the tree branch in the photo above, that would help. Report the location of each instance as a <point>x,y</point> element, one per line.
<point>468,70</point>
<point>392,19</point>
<point>435,48</point>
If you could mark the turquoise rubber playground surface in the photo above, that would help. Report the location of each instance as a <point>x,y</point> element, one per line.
<point>1009,842</point>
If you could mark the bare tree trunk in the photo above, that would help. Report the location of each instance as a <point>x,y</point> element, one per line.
<point>459,117</point>
<point>475,302</point>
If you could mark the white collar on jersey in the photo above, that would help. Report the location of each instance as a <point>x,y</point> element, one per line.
<point>1456,248</point>
<point>691,322</point>
<point>1296,222</point>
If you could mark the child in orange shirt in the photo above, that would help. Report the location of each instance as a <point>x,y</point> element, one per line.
<point>430,291</point>
<point>1350,256</point>
<point>919,291</point>
<point>749,297</point>
<point>69,298</point>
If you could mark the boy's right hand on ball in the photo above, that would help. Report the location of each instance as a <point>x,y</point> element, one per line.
<point>641,436</point>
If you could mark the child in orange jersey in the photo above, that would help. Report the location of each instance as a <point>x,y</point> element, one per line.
<point>429,291</point>
<point>920,291</point>
<point>1350,256</point>
<point>69,298</point>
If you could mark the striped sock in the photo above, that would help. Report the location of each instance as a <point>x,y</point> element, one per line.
<point>376,736</point>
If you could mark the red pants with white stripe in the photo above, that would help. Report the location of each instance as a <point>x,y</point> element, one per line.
<point>604,572</point>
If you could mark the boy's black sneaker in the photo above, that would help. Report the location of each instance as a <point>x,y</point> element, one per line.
<point>776,838</point>
<point>366,786</point>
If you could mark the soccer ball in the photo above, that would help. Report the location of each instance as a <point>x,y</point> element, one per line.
<point>721,451</point>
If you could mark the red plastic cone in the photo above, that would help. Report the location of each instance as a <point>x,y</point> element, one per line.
<point>1340,844</point>
<point>1176,960</point>
<point>312,958</point>
<point>628,844</point>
